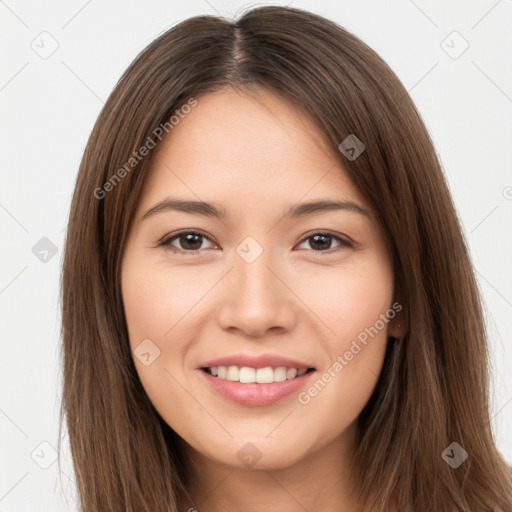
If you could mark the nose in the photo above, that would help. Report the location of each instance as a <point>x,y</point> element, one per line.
<point>256,299</point>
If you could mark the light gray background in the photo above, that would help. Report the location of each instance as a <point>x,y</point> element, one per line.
<point>48,107</point>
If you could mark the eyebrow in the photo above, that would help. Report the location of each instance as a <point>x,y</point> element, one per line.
<point>209,210</point>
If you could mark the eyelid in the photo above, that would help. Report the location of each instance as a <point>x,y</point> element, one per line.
<point>195,231</point>
<point>342,238</point>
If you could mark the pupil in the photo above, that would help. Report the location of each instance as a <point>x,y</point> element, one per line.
<point>189,241</point>
<point>322,245</point>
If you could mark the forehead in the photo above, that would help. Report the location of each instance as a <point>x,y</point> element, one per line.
<point>254,149</point>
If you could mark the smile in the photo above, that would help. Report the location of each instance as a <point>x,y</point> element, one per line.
<point>256,393</point>
<point>248,375</point>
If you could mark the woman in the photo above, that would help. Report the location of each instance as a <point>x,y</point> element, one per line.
<point>267,298</point>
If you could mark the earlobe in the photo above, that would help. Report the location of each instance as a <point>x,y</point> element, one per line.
<point>398,325</point>
<point>397,328</point>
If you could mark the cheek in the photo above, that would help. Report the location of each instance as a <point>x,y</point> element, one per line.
<point>158,307</point>
<point>163,305</point>
<point>353,314</point>
<point>348,300</point>
<point>156,301</point>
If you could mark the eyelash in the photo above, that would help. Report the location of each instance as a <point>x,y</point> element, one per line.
<point>165,243</point>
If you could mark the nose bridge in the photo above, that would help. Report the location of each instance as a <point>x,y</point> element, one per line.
<point>253,261</point>
<point>256,286</point>
<point>257,300</point>
<point>255,279</point>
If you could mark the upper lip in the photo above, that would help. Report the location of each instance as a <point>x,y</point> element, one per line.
<point>256,361</point>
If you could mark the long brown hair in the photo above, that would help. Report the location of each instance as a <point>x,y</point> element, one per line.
<point>433,389</point>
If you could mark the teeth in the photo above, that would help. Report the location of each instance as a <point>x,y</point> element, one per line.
<point>233,373</point>
<point>249,375</point>
<point>246,374</point>
<point>291,373</point>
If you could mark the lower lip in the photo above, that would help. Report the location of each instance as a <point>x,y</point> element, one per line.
<point>256,394</point>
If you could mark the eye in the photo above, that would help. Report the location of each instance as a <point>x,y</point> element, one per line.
<point>321,242</point>
<point>190,242</point>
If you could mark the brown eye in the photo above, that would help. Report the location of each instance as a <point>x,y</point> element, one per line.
<point>189,242</point>
<point>322,242</point>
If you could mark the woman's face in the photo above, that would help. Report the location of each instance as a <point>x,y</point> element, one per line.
<point>293,291</point>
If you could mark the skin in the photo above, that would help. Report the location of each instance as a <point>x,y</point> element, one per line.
<point>256,155</point>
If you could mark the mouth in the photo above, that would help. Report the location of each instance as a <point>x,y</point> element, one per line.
<point>249,375</point>
<point>248,386</point>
